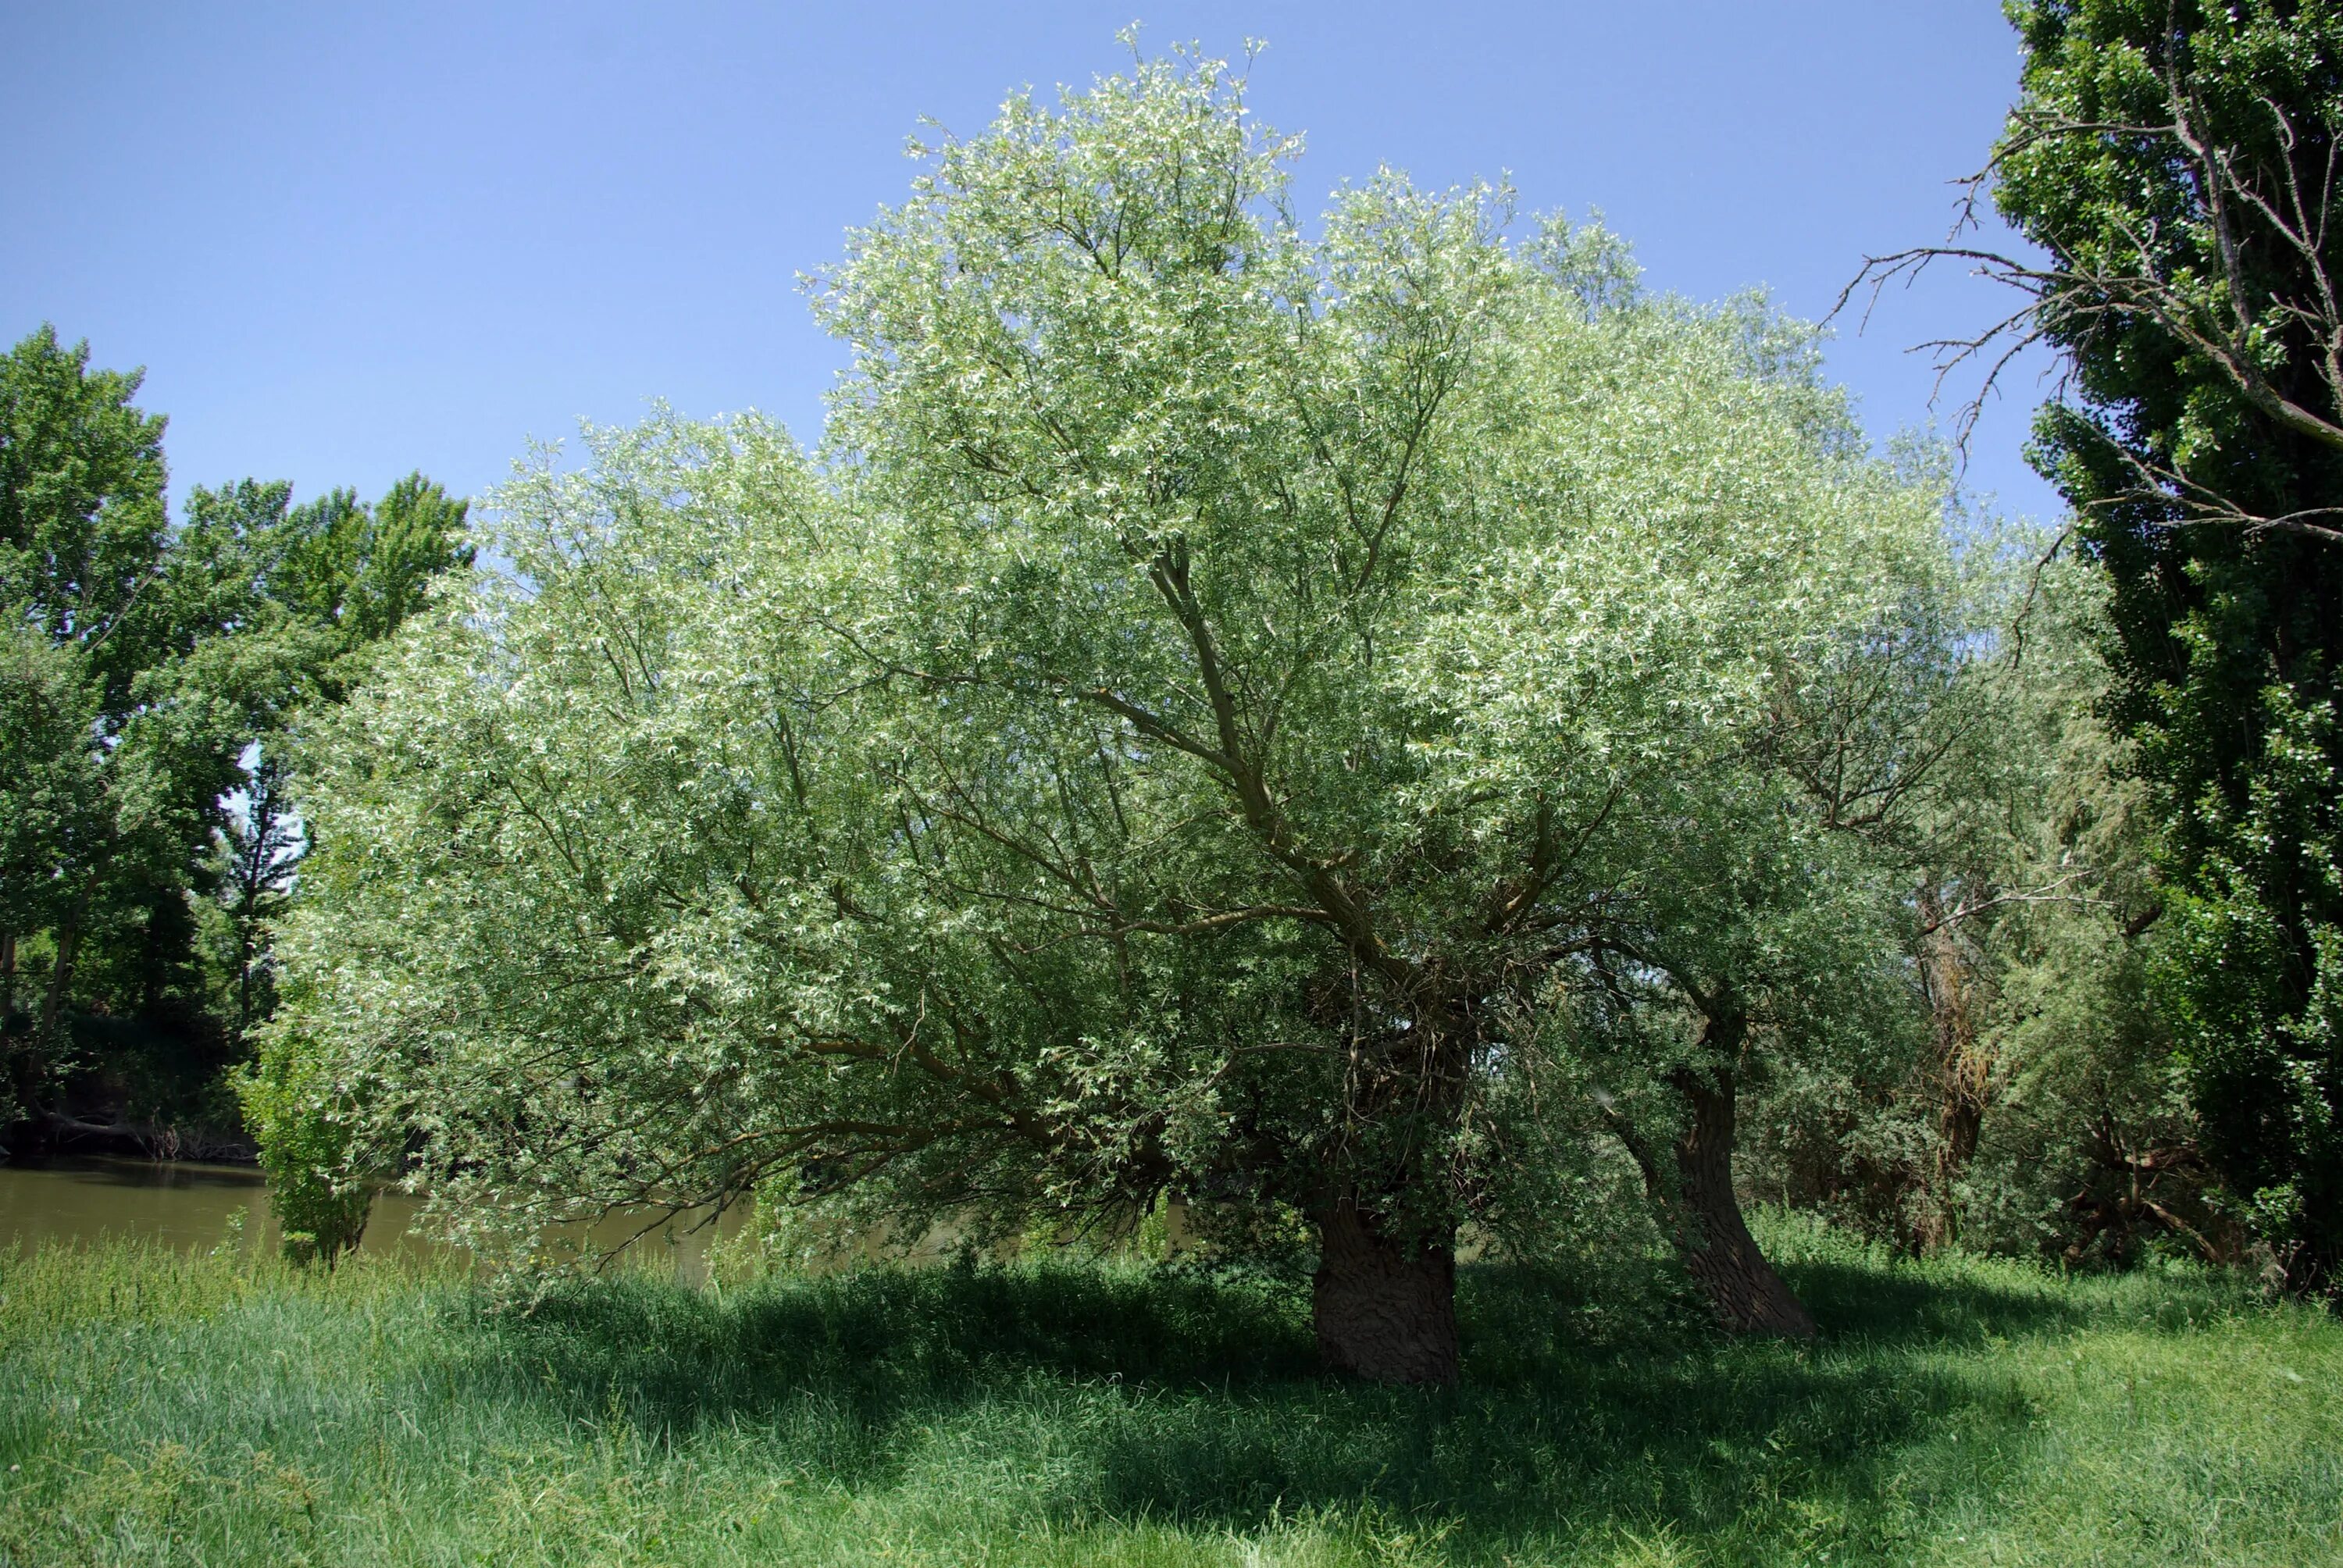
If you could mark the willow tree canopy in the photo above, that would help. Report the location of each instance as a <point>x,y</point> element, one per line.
<point>1225,687</point>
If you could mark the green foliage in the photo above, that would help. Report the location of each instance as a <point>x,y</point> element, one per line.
<point>128,703</point>
<point>2037,1111</point>
<point>148,685</point>
<point>48,722</point>
<point>2176,164</point>
<point>337,578</point>
<point>81,506</point>
<point>200,1408</point>
<point>1220,694</point>
<point>301,1121</point>
<point>361,570</point>
<point>2088,1149</point>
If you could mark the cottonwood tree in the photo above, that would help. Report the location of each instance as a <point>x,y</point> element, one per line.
<point>336,578</point>
<point>1223,687</point>
<point>125,733</point>
<point>81,521</point>
<point>123,696</point>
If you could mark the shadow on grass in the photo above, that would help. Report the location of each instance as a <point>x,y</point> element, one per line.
<point>1910,1305</point>
<point>1131,1394</point>
<point>880,1339</point>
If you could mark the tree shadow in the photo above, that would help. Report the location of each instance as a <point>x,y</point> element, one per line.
<point>1911,1303</point>
<point>1179,1397</point>
<point>883,1338</point>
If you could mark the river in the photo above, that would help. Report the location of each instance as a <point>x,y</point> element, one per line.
<point>192,1206</point>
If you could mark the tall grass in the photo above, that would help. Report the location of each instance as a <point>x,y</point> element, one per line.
<point>163,1409</point>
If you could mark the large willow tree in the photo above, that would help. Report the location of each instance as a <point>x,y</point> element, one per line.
<point>1241,711</point>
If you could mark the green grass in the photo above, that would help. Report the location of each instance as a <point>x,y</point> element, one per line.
<point>159,1408</point>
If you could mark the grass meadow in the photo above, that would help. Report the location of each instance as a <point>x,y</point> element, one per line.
<point>163,1408</point>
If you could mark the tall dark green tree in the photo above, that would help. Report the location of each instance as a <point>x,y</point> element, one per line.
<point>149,675</point>
<point>82,527</point>
<point>2178,161</point>
<point>82,523</point>
<point>341,577</point>
<point>125,725</point>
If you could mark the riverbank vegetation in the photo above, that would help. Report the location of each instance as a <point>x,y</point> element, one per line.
<point>1369,729</point>
<point>1454,770</point>
<point>162,1407</point>
<point>150,674</point>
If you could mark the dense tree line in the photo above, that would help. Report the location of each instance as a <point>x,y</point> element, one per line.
<point>151,683</point>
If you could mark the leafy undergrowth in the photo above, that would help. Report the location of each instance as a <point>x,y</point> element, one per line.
<point>164,1409</point>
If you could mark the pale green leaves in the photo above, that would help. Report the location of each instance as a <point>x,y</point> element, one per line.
<point>1217,676</point>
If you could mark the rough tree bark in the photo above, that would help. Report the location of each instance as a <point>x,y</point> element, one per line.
<point>1964,1071</point>
<point>1708,1230</point>
<point>1383,1309</point>
<point>1697,1205</point>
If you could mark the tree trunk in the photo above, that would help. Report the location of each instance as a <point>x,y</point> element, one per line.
<point>1964,1071</point>
<point>1384,1310</point>
<point>1714,1239</point>
<point>61,972</point>
<point>1697,1205</point>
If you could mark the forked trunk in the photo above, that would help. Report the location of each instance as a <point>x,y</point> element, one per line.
<point>1709,1231</point>
<point>1384,1310</point>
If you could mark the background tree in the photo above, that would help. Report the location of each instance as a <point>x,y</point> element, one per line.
<point>1975,765</point>
<point>48,814</point>
<point>144,662</point>
<point>83,532</point>
<point>2179,161</point>
<point>122,1018</point>
<point>81,517</point>
<point>340,575</point>
<point>80,505</point>
<point>347,576</point>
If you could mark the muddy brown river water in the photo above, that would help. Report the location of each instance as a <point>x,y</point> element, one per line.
<point>192,1206</point>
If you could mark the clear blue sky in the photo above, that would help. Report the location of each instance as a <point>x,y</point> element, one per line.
<point>347,241</point>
